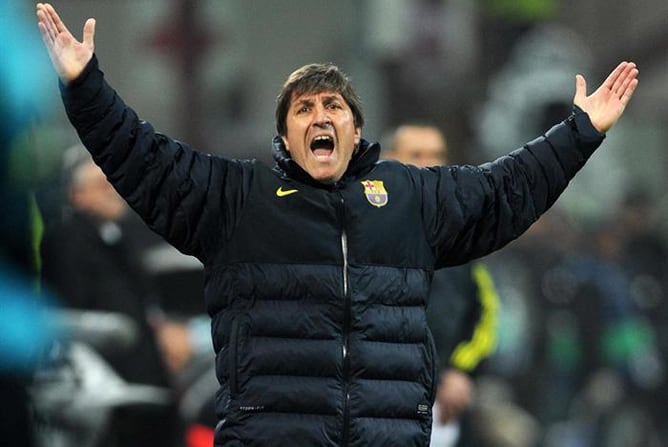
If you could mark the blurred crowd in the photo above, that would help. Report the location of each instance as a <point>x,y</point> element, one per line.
<point>92,304</point>
<point>582,332</point>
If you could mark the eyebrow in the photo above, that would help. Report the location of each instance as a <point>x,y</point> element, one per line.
<point>326,99</point>
<point>303,101</point>
<point>333,98</point>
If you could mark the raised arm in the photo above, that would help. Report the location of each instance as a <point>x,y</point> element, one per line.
<point>486,207</point>
<point>68,56</point>
<point>608,102</point>
<point>180,193</point>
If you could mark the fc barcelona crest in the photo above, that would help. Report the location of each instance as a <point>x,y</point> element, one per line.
<point>375,192</point>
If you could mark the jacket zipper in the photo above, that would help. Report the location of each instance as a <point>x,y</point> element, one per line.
<point>346,329</point>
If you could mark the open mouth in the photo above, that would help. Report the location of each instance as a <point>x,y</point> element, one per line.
<point>322,146</point>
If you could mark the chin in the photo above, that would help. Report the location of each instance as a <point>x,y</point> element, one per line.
<point>324,177</point>
<point>327,179</point>
<point>324,174</point>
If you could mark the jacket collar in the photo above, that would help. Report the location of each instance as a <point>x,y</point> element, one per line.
<point>363,160</point>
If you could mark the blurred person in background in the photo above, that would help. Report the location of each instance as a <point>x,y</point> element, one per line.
<point>463,304</point>
<point>590,367</point>
<point>316,278</point>
<point>644,256</point>
<point>91,260</point>
<point>619,368</point>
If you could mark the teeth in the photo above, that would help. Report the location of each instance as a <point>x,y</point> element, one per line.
<point>322,142</point>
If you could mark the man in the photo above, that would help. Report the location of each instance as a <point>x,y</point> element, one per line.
<point>463,303</point>
<point>91,260</point>
<point>315,276</point>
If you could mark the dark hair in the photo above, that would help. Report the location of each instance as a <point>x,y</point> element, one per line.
<point>316,78</point>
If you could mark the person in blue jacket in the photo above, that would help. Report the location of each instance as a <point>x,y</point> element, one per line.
<point>317,270</point>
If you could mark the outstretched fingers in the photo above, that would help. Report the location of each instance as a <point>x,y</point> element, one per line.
<point>46,37</point>
<point>50,24</point>
<point>626,83</point>
<point>614,76</point>
<point>55,19</point>
<point>622,82</point>
<point>629,89</point>
<point>624,79</point>
<point>45,25</point>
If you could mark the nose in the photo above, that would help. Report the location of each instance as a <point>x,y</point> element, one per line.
<point>321,118</point>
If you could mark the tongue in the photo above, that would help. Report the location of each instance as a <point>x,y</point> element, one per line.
<point>322,152</point>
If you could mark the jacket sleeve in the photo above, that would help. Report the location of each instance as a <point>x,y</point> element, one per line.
<point>473,211</point>
<point>189,198</point>
<point>479,343</point>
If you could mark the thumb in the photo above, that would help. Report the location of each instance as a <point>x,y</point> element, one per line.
<point>580,89</point>
<point>89,34</point>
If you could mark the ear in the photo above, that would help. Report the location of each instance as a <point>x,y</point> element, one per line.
<point>285,142</point>
<point>358,135</point>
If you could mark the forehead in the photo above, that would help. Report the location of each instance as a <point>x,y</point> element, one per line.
<point>316,96</point>
<point>421,139</point>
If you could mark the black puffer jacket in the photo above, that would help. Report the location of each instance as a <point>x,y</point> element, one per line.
<point>317,293</point>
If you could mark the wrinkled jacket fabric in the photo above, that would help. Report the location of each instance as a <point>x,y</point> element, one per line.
<point>317,293</point>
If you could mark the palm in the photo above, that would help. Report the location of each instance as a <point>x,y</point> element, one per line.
<point>606,105</point>
<point>68,56</point>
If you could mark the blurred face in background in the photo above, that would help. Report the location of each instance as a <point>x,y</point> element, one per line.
<point>91,193</point>
<point>419,145</point>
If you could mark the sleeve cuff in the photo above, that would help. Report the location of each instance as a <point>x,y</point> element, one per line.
<point>582,122</point>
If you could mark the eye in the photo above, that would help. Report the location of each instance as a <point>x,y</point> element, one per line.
<point>303,109</point>
<point>334,106</point>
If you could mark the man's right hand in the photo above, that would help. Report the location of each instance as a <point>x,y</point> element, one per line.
<point>68,56</point>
